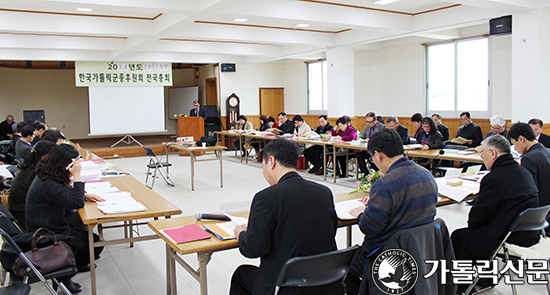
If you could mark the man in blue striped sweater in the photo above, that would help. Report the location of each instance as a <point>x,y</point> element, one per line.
<point>405,197</point>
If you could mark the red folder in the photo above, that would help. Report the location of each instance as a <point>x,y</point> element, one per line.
<point>186,233</point>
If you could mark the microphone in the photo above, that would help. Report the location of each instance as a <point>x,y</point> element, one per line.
<point>212,216</point>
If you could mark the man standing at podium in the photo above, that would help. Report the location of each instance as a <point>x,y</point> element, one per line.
<point>196,111</point>
<point>290,218</point>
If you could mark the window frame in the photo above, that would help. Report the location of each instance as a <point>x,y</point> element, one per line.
<point>309,110</point>
<point>456,113</point>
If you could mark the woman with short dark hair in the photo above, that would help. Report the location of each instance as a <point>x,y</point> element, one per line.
<point>51,200</point>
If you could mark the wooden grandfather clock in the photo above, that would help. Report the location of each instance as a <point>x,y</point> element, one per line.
<point>232,109</point>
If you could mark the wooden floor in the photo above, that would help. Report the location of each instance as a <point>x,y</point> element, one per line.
<point>102,146</point>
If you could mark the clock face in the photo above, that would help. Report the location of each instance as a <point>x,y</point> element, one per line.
<point>233,101</point>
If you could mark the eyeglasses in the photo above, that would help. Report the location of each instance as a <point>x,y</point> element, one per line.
<point>425,126</point>
<point>483,152</point>
<point>370,122</point>
<point>497,127</point>
<point>464,119</point>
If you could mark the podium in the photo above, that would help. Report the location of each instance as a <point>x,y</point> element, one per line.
<point>190,126</point>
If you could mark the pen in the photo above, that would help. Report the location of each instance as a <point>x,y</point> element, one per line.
<point>71,164</point>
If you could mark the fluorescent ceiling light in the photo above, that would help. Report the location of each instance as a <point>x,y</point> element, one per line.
<point>384,2</point>
<point>240,20</point>
<point>302,25</point>
<point>84,9</point>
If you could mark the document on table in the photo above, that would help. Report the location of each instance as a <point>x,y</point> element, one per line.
<point>5,172</point>
<point>119,202</point>
<point>226,230</point>
<point>343,208</point>
<point>100,187</point>
<point>456,193</point>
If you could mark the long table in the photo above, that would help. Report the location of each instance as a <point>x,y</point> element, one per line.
<point>433,154</point>
<point>193,157</point>
<point>206,248</point>
<point>92,217</point>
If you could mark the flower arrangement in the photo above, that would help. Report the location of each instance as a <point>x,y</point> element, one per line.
<point>180,115</point>
<point>367,181</point>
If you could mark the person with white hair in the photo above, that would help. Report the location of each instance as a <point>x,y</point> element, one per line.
<point>498,126</point>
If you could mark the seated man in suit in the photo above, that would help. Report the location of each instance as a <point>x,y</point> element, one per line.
<point>372,127</point>
<point>536,159</point>
<point>444,130</point>
<point>498,126</point>
<point>6,130</point>
<point>39,129</point>
<point>404,197</point>
<point>23,146</point>
<point>286,125</point>
<point>197,111</point>
<point>393,123</point>
<point>537,126</point>
<point>470,130</point>
<point>314,154</point>
<point>503,194</point>
<point>292,217</point>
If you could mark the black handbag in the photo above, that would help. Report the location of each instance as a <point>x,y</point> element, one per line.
<point>46,259</point>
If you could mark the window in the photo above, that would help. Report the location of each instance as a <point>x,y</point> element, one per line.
<point>317,87</point>
<point>458,78</point>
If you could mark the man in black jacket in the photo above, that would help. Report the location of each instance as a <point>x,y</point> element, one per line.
<point>6,130</point>
<point>537,126</point>
<point>197,111</point>
<point>403,131</point>
<point>286,125</point>
<point>470,130</point>
<point>292,217</point>
<point>314,154</point>
<point>536,159</point>
<point>503,194</point>
<point>444,130</point>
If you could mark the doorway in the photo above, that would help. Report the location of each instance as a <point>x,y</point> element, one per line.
<point>212,91</point>
<point>272,101</point>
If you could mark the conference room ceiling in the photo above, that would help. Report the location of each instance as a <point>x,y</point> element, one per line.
<point>204,31</point>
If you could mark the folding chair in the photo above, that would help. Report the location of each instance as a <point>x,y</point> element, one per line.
<point>156,164</point>
<point>25,288</point>
<point>8,254</point>
<point>316,270</point>
<point>531,219</point>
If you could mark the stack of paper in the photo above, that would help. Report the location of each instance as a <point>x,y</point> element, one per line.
<point>343,208</point>
<point>119,202</point>
<point>458,193</point>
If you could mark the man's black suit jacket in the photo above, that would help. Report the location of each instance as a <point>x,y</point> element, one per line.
<point>287,127</point>
<point>545,140</point>
<point>193,113</point>
<point>505,192</point>
<point>404,133</point>
<point>537,161</point>
<point>294,217</point>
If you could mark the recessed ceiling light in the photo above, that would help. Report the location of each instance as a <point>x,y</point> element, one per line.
<point>302,25</point>
<point>384,2</point>
<point>84,9</point>
<point>240,20</point>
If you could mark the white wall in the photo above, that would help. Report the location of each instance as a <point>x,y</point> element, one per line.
<point>247,81</point>
<point>390,81</point>
<point>501,72</point>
